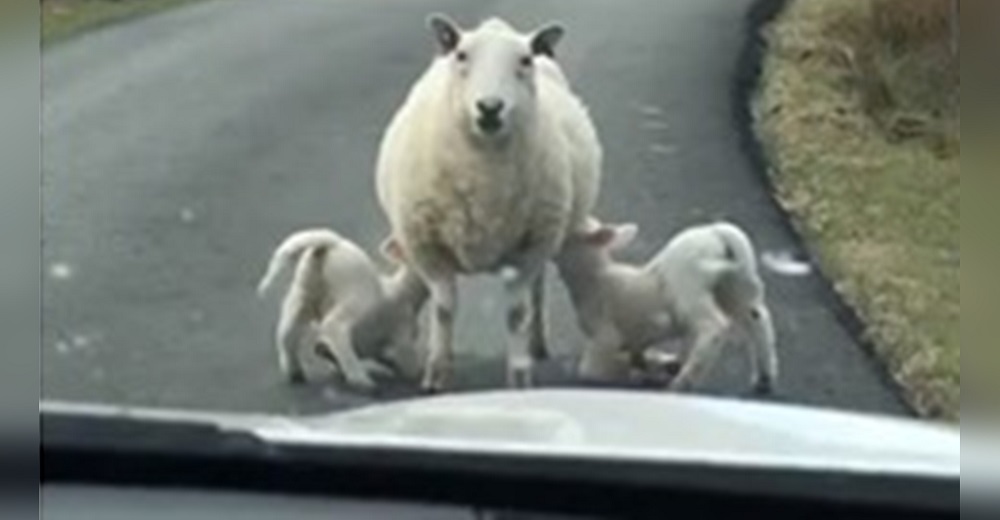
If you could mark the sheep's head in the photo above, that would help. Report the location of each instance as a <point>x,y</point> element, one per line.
<point>493,73</point>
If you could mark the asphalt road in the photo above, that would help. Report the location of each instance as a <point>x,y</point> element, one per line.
<point>181,148</point>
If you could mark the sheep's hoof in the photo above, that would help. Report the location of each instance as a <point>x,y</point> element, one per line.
<point>763,387</point>
<point>431,389</point>
<point>520,378</point>
<point>539,350</point>
<point>431,386</point>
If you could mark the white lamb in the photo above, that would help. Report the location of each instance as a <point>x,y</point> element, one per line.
<point>338,294</point>
<point>487,166</point>
<point>703,286</point>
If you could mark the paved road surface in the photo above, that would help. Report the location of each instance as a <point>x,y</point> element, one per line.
<point>180,149</point>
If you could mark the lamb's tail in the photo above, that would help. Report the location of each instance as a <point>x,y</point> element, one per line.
<point>736,266</point>
<point>291,250</point>
<point>739,249</point>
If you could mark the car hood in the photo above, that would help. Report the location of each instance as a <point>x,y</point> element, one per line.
<point>602,424</point>
<point>640,426</point>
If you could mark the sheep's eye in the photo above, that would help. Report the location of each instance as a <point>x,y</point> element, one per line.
<point>526,61</point>
<point>461,56</point>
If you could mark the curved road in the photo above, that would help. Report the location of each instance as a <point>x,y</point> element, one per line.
<point>181,148</point>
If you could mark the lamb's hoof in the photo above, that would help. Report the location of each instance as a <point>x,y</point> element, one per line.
<point>296,377</point>
<point>665,363</point>
<point>680,387</point>
<point>322,351</point>
<point>360,382</point>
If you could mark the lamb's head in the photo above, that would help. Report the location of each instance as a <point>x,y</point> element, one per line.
<point>492,74</point>
<point>596,242</point>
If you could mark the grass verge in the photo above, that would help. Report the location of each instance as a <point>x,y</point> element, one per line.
<point>858,111</point>
<point>62,19</point>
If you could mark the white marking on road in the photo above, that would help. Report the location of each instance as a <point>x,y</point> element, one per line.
<point>60,271</point>
<point>650,110</point>
<point>655,124</point>
<point>187,215</point>
<point>63,348</point>
<point>662,149</point>
<point>80,341</point>
<point>784,263</point>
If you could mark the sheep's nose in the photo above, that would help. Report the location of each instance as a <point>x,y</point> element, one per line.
<point>490,107</point>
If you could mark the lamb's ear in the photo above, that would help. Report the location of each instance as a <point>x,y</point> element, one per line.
<point>600,237</point>
<point>446,32</point>
<point>545,39</point>
<point>391,250</point>
<point>624,234</point>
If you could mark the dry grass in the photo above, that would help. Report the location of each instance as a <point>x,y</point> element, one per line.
<point>62,19</point>
<point>859,111</point>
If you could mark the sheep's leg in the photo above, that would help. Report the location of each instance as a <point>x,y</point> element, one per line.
<point>337,333</point>
<point>539,320</point>
<point>444,302</point>
<point>759,329</point>
<point>291,331</point>
<point>520,363</point>
<point>709,338</point>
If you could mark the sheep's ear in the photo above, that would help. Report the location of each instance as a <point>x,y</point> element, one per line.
<point>391,250</point>
<point>446,32</point>
<point>544,40</point>
<point>624,235</point>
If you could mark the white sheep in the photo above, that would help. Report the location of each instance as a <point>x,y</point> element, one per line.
<point>487,166</point>
<point>703,286</point>
<point>339,298</point>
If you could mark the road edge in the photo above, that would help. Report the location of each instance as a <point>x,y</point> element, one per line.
<point>749,68</point>
<point>101,25</point>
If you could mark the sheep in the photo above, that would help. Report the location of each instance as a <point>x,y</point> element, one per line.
<point>338,292</point>
<point>703,286</point>
<point>490,162</point>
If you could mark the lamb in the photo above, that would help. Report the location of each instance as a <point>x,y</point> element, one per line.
<point>338,293</point>
<point>487,166</point>
<point>703,286</point>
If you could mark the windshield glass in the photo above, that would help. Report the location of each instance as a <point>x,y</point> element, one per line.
<point>311,206</point>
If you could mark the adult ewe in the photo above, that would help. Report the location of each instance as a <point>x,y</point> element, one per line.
<point>488,165</point>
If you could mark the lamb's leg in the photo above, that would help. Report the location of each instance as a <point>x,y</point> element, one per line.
<point>709,337</point>
<point>444,302</point>
<point>337,332</point>
<point>291,331</point>
<point>539,321</point>
<point>602,359</point>
<point>763,350</point>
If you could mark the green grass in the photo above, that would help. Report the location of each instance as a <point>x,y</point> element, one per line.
<point>62,19</point>
<point>860,121</point>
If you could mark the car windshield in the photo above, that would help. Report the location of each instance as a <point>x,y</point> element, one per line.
<point>308,207</point>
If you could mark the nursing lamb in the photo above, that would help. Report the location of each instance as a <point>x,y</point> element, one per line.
<point>338,292</point>
<point>486,167</point>
<point>704,287</point>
